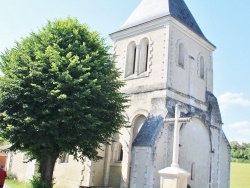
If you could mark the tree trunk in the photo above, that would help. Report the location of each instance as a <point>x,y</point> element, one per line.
<point>47,167</point>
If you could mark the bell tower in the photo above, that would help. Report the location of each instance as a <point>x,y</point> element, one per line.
<point>160,48</point>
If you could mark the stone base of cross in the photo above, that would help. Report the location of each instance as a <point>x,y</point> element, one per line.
<point>175,177</point>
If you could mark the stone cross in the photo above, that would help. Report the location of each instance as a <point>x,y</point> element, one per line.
<point>177,124</point>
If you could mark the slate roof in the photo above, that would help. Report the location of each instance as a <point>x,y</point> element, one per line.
<point>180,11</point>
<point>149,10</point>
<point>149,131</point>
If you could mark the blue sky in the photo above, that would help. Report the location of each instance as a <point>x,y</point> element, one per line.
<point>225,23</point>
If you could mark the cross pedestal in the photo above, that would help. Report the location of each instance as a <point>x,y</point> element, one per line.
<point>174,176</point>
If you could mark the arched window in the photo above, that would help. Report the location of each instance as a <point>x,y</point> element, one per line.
<point>137,125</point>
<point>192,171</point>
<point>144,48</point>
<point>181,55</point>
<point>120,157</point>
<point>118,152</point>
<point>131,59</point>
<point>202,69</point>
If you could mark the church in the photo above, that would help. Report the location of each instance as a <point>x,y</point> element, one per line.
<point>164,59</point>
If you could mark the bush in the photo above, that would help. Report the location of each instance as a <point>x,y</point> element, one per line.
<point>235,160</point>
<point>38,183</point>
<point>11,176</point>
<point>188,186</point>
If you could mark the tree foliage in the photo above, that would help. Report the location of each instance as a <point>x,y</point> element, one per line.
<point>240,151</point>
<point>60,93</point>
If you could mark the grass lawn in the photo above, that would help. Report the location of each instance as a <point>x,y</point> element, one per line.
<point>16,184</point>
<point>240,175</point>
<point>239,178</point>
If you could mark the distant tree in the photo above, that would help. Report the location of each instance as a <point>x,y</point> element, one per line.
<point>235,153</point>
<point>234,145</point>
<point>59,92</point>
<point>243,146</point>
<point>240,151</point>
<point>248,153</point>
<point>248,145</point>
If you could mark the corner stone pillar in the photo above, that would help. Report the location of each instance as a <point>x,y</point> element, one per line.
<point>173,177</point>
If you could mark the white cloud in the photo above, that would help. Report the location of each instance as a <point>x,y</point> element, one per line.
<point>242,128</point>
<point>244,131</point>
<point>229,98</point>
<point>241,125</point>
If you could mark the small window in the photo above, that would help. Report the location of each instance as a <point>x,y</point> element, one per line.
<point>202,69</point>
<point>144,50</point>
<point>131,59</point>
<point>181,55</point>
<point>120,157</point>
<point>64,158</point>
<point>118,153</point>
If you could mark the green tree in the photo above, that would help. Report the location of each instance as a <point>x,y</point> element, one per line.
<point>234,145</point>
<point>248,153</point>
<point>59,92</point>
<point>248,145</point>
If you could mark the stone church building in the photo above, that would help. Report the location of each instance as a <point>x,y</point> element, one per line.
<point>165,60</point>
